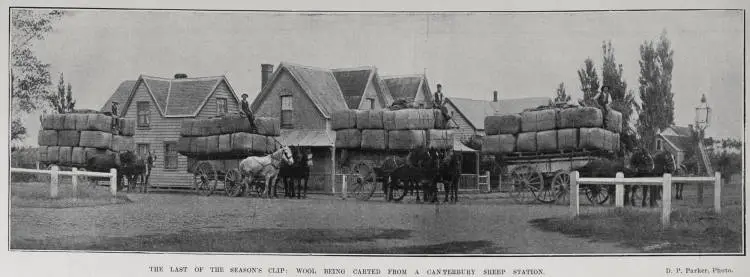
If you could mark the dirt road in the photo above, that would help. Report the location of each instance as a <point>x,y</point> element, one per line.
<point>321,224</point>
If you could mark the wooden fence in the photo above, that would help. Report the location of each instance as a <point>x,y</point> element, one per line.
<point>55,172</point>
<point>619,181</point>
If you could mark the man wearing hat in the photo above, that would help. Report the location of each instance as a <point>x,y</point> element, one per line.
<point>438,98</point>
<point>603,99</point>
<point>115,117</point>
<point>248,113</point>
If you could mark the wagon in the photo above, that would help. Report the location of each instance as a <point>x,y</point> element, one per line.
<point>208,171</point>
<point>546,177</point>
<point>371,169</point>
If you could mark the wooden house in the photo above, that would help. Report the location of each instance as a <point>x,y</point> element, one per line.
<point>158,105</point>
<point>684,145</point>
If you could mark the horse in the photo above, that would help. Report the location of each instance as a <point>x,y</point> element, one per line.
<point>664,162</point>
<point>412,170</point>
<point>448,172</point>
<point>134,168</point>
<point>266,167</point>
<point>298,171</point>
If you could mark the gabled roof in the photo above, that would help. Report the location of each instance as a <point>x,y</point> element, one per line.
<point>173,97</point>
<point>318,83</point>
<point>476,110</point>
<point>681,131</point>
<point>407,86</point>
<point>121,95</point>
<point>354,82</point>
<point>681,143</point>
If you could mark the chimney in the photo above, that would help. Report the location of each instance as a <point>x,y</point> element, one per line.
<point>494,96</point>
<point>180,76</point>
<point>265,73</point>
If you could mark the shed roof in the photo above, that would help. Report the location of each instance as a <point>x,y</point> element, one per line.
<point>461,147</point>
<point>476,110</point>
<point>121,95</point>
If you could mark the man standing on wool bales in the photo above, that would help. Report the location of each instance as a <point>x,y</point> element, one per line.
<point>603,99</point>
<point>439,96</point>
<point>115,118</point>
<point>248,113</point>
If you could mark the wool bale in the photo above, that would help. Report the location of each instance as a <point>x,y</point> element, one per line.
<point>69,121</point>
<point>78,156</point>
<point>241,142</point>
<point>541,120</point>
<point>596,138</point>
<point>613,122</point>
<point>53,154</point>
<point>389,120</point>
<point>186,127</point>
<point>268,126</point>
<point>47,138</point>
<point>439,139</point>
<point>502,124</point>
<point>242,124</point>
<point>616,143</point>
<point>122,143</point>
<point>199,145</point>
<point>546,141</point>
<point>212,144</point>
<point>420,119</point>
<point>68,137</point>
<point>499,144</point>
<point>567,139</point>
<point>225,143</point>
<point>99,122</point>
<point>526,142</point>
<point>65,156</point>
<point>41,154</point>
<point>406,139</point>
<point>81,121</point>
<point>348,138</point>
<point>96,139</point>
<point>374,139</point>
<point>230,123</point>
<point>200,128</point>
<point>260,143</point>
<point>52,122</point>
<point>271,144</point>
<point>581,117</point>
<point>344,119</point>
<point>363,119</point>
<point>183,145</point>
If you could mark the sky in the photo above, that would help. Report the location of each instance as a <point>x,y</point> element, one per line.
<point>471,54</point>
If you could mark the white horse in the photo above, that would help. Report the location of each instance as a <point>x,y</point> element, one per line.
<point>266,167</point>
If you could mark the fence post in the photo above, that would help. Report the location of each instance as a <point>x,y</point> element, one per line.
<point>619,190</point>
<point>666,199</point>
<point>74,181</point>
<point>343,188</point>
<point>113,181</point>
<point>53,181</point>
<point>499,182</point>
<point>700,193</point>
<point>489,181</point>
<point>717,192</point>
<point>574,194</point>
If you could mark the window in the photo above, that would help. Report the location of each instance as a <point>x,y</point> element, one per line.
<point>170,155</point>
<point>143,149</point>
<point>421,105</point>
<point>370,103</point>
<point>286,112</point>
<point>221,106</point>
<point>659,147</point>
<point>144,114</point>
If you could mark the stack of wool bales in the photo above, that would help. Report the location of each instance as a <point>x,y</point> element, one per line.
<point>553,130</point>
<point>230,134</point>
<point>71,139</point>
<point>395,130</point>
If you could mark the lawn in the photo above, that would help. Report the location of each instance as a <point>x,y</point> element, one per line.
<point>37,195</point>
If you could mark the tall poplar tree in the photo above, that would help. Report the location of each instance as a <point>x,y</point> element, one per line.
<point>655,89</point>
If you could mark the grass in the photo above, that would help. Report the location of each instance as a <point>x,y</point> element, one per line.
<point>692,230</point>
<point>37,195</point>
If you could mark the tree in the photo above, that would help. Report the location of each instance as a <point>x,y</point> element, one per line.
<point>623,100</point>
<point>655,89</point>
<point>560,95</point>
<point>62,101</point>
<point>589,80</point>
<point>30,78</point>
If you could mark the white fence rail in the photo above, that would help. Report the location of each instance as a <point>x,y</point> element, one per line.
<point>619,181</point>
<point>55,172</point>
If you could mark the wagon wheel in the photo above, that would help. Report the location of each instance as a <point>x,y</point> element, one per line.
<point>546,194</point>
<point>597,194</point>
<point>525,181</point>
<point>233,183</point>
<point>364,186</point>
<point>204,178</point>
<point>561,186</point>
<point>399,191</point>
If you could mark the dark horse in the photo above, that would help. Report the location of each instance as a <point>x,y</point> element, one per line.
<point>135,169</point>
<point>664,163</point>
<point>449,173</point>
<point>129,166</point>
<point>418,168</point>
<point>298,172</point>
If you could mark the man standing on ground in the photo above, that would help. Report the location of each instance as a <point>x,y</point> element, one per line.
<point>248,113</point>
